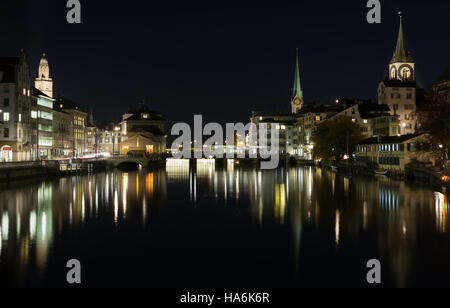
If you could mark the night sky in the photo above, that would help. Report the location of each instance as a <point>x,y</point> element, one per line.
<point>220,58</point>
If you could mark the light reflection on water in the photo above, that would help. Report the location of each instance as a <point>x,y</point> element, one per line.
<point>340,213</point>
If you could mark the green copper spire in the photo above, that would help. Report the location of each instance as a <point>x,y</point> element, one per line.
<point>297,86</point>
<point>401,54</point>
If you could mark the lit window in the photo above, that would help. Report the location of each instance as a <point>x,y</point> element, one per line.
<point>365,122</point>
<point>6,116</point>
<point>149,149</point>
<point>20,117</point>
<point>34,114</point>
<point>24,91</point>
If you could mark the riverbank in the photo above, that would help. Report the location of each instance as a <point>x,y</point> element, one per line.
<point>413,173</point>
<point>36,170</point>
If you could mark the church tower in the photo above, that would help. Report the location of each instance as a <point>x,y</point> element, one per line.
<point>297,93</point>
<point>402,64</point>
<point>44,83</point>
<point>397,90</point>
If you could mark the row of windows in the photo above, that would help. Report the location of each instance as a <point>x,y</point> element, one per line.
<point>392,161</point>
<point>382,148</point>
<point>79,121</point>
<point>108,140</point>
<point>399,96</point>
<point>409,147</point>
<point>79,134</point>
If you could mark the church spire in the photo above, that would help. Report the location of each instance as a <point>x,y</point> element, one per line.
<point>297,91</point>
<point>401,54</point>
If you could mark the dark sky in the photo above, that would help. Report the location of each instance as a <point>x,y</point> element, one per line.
<point>220,58</point>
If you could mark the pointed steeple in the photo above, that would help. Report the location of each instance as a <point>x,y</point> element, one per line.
<point>401,54</point>
<point>297,91</point>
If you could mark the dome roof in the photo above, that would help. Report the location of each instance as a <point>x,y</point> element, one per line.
<point>44,61</point>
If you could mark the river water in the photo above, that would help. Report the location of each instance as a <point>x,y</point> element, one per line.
<point>172,227</point>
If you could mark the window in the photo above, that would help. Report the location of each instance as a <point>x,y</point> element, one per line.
<point>20,117</point>
<point>6,102</point>
<point>6,132</point>
<point>409,96</point>
<point>149,149</point>
<point>396,95</point>
<point>34,114</point>
<point>6,116</point>
<point>6,89</point>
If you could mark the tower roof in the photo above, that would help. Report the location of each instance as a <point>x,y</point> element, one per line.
<point>297,85</point>
<point>401,54</point>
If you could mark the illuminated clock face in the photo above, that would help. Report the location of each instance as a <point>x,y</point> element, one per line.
<point>393,73</point>
<point>406,72</point>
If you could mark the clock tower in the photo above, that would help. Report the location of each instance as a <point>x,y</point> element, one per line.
<point>402,64</point>
<point>44,83</point>
<point>397,90</point>
<point>297,93</point>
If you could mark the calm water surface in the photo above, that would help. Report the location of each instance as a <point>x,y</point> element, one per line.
<point>210,228</point>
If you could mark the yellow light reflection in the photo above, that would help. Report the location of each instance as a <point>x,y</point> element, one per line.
<point>116,206</point>
<point>149,183</point>
<point>337,227</point>
<point>280,202</point>
<point>124,193</point>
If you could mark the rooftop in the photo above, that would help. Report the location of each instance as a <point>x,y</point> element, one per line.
<point>388,139</point>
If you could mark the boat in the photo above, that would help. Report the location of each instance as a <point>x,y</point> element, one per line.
<point>381,172</point>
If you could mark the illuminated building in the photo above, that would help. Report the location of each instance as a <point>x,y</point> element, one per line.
<point>398,90</point>
<point>15,101</point>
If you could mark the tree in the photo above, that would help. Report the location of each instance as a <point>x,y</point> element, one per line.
<point>436,122</point>
<point>335,138</point>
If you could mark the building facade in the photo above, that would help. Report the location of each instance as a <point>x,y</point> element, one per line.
<point>394,153</point>
<point>441,88</point>
<point>79,121</point>
<point>307,122</point>
<point>285,124</point>
<point>16,139</point>
<point>142,132</point>
<point>109,139</point>
<point>62,134</point>
<point>42,115</point>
